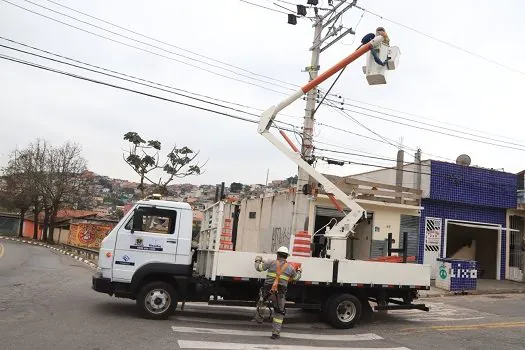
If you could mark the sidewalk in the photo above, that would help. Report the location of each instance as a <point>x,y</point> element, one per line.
<point>484,286</point>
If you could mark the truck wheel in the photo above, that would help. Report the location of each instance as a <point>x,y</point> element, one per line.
<point>157,300</point>
<point>343,311</point>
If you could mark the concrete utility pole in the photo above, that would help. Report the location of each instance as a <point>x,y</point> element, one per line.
<point>417,158</point>
<point>329,19</point>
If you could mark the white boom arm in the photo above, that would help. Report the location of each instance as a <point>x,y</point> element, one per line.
<point>339,233</point>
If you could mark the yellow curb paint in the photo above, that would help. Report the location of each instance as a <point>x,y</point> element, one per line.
<point>1,250</point>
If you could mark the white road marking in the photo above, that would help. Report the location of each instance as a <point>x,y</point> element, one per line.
<point>190,344</point>
<point>301,336</point>
<point>304,325</point>
<point>440,312</point>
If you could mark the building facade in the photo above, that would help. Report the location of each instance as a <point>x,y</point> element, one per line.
<point>465,213</point>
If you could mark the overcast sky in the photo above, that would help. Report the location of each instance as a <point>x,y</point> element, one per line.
<point>433,80</point>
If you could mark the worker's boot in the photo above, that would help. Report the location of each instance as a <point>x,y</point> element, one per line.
<point>275,336</point>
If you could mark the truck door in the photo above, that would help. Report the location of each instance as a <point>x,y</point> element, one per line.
<point>150,236</point>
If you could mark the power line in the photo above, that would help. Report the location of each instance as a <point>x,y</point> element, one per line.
<point>439,132</point>
<point>218,61</point>
<point>175,46</point>
<point>145,50</point>
<point>128,80</point>
<point>365,155</point>
<point>126,75</point>
<point>444,42</point>
<point>154,46</point>
<point>428,124</point>
<point>450,177</point>
<point>264,7</point>
<point>171,45</point>
<point>16,60</point>
<point>376,140</point>
<point>76,76</point>
<point>348,116</point>
<point>418,116</point>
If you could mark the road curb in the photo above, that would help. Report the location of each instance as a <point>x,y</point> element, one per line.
<point>489,292</point>
<point>45,245</point>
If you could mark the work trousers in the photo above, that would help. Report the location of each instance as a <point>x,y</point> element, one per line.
<point>278,301</point>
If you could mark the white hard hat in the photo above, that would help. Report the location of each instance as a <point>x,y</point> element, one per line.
<point>283,250</point>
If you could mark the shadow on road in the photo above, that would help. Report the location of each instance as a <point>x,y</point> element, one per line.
<point>127,309</point>
<point>120,309</point>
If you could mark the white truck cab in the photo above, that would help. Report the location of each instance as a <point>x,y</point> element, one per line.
<point>151,242</point>
<point>153,232</point>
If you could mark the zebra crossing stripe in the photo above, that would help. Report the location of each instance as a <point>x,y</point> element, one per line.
<point>302,336</point>
<point>191,344</point>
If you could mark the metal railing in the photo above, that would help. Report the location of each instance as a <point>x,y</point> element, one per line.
<point>88,253</point>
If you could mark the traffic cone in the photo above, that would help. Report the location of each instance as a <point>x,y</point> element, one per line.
<point>226,242</point>
<point>301,244</point>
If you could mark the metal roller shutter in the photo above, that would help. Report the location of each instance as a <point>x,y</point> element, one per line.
<point>410,224</point>
<point>329,212</point>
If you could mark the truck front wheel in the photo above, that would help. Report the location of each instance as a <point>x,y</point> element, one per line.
<point>343,311</point>
<point>157,300</point>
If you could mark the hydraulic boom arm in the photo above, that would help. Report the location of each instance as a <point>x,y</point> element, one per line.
<point>341,231</point>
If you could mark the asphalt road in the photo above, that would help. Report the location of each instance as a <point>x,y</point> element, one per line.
<point>46,302</point>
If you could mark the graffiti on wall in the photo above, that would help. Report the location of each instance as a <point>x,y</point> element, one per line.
<point>280,236</point>
<point>88,235</point>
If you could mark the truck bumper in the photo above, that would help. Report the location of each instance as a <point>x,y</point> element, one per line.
<point>101,284</point>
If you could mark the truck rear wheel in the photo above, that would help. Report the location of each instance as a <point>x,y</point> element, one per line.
<point>157,300</point>
<point>342,311</point>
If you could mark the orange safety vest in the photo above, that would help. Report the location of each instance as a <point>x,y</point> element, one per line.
<point>279,270</point>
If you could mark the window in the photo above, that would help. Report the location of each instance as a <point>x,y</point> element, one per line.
<point>252,215</point>
<point>153,220</point>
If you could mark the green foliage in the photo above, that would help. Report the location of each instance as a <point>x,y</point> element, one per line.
<point>143,157</point>
<point>236,187</point>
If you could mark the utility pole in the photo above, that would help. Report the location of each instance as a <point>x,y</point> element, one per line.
<point>321,22</point>
<point>417,158</point>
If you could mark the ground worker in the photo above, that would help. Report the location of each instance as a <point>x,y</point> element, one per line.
<point>279,273</point>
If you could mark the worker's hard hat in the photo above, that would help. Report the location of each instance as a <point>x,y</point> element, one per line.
<point>283,250</point>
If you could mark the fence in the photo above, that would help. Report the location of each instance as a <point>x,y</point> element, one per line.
<point>87,253</point>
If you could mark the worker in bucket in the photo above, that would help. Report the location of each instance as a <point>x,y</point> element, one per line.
<point>279,273</point>
<point>375,51</point>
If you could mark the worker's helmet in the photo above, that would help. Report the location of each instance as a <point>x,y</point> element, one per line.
<point>283,250</point>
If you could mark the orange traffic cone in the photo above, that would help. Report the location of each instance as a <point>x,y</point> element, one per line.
<point>226,242</point>
<point>301,244</point>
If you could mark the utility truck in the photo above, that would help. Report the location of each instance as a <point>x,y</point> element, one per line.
<point>150,256</point>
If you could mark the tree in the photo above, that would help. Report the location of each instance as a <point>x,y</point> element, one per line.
<point>236,187</point>
<point>15,195</point>
<point>48,178</point>
<point>23,175</point>
<point>292,180</point>
<point>66,181</point>
<point>144,158</point>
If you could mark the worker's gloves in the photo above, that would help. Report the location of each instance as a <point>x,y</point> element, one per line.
<point>299,269</point>
<point>258,259</point>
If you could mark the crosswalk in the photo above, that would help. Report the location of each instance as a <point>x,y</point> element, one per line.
<point>216,328</point>
<point>247,339</point>
<point>439,312</point>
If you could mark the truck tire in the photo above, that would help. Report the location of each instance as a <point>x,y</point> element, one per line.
<point>157,300</point>
<point>342,311</point>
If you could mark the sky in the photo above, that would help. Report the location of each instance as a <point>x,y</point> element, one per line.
<point>435,83</point>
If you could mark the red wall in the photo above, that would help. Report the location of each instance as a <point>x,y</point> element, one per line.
<point>28,229</point>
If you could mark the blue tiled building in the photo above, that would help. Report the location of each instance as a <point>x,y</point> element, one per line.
<point>466,203</point>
